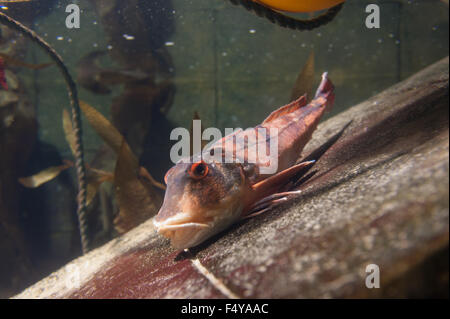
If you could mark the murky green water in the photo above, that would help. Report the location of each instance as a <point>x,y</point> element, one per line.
<point>234,67</point>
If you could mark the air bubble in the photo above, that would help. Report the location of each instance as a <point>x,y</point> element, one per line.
<point>128,37</point>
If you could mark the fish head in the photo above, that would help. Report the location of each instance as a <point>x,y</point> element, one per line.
<point>201,199</point>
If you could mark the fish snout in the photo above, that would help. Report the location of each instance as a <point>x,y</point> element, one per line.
<point>182,230</point>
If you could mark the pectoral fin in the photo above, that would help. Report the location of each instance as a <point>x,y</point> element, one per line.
<point>268,203</point>
<point>266,191</point>
<point>273,183</point>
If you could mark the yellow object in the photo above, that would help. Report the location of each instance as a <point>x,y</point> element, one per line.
<point>299,5</point>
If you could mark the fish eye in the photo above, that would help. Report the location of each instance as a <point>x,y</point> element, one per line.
<point>198,170</point>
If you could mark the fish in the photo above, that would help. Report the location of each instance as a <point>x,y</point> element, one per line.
<point>299,5</point>
<point>98,80</point>
<point>4,58</point>
<point>16,62</point>
<point>274,10</point>
<point>205,195</point>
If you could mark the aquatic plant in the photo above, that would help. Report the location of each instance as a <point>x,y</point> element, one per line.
<point>76,119</point>
<point>134,185</point>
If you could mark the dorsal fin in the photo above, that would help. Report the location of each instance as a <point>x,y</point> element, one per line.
<point>291,107</point>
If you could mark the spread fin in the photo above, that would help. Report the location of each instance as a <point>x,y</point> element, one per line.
<point>268,203</point>
<point>273,183</point>
<point>291,107</point>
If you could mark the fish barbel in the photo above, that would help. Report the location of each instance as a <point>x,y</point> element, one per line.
<point>208,193</point>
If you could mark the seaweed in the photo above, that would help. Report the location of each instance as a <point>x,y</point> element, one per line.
<point>134,186</point>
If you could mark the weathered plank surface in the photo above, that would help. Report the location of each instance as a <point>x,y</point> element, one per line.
<point>378,195</point>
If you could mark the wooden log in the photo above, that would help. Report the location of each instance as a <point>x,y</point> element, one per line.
<point>377,195</point>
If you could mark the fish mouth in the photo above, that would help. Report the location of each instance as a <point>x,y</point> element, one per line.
<point>185,225</point>
<point>181,232</point>
<point>189,228</point>
<point>177,221</point>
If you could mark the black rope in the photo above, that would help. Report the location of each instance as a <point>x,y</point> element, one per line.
<point>286,21</point>
<point>76,120</point>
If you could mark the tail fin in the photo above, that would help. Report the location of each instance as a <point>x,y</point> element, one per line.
<point>326,90</point>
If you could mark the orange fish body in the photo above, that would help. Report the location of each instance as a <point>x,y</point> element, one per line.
<point>236,177</point>
<point>299,5</point>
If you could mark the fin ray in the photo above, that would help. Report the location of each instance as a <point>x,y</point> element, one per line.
<point>291,107</point>
<point>274,182</point>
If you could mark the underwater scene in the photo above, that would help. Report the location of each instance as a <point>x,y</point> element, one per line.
<point>224,149</point>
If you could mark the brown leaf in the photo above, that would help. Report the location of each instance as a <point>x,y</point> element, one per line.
<point>304,82</point>
<point>68,130</point>
<point>95,178</point>
<point>136,197</point>
<point>103,127</point>
<point>43,176</point>
<point>116,141</point>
